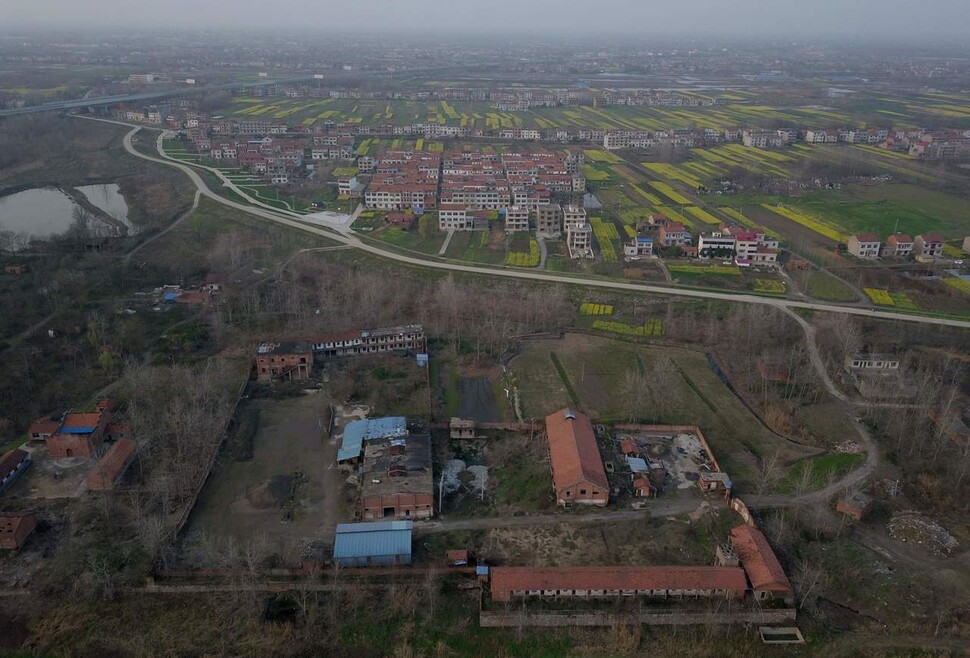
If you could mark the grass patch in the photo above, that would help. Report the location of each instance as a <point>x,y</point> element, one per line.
<point>565,379</point>
<point>822,286</point>
<point>770,286</point>
<point>819,471</point>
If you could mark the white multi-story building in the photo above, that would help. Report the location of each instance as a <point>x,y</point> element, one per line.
<point>864,245</point>
<point>453,217</point>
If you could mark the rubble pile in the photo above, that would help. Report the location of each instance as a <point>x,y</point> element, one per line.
<point>914,528</point>
<point>849,447</point>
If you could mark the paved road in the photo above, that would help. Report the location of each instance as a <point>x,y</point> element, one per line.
<point>543,253</point>
<point>291,220</point>
<point>444,245</point>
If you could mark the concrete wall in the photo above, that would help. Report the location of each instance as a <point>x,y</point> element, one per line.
<point>496,619</point>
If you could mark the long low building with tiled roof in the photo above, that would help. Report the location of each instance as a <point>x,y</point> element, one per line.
<point>508,583</point>
<point>577,467</point>
<point>768,579</point>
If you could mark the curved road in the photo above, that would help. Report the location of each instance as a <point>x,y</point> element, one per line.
<point>290,220</point>
<point>348,239</point>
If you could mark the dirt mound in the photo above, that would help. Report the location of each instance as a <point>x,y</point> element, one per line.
<point>914,528</point>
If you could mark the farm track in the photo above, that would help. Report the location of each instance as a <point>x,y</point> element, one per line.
<point>347,238</point>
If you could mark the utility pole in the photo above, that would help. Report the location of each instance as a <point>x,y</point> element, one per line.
<point>441,492</point>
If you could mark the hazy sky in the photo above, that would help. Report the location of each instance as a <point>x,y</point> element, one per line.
<point>876,19</point>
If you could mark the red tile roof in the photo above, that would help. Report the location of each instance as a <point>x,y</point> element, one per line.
<point>109,467</point>
<point>82,420</point>
<point>44,425</point>
<point>18,523</point>
<point>935,238</point>
<point>573,451</point>
<point>505,580</point>
<point>867,237</point>
<point>10,459</point>
<point>759,561</point>
<point>899,238</point>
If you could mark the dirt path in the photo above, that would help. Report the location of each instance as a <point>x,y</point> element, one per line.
<point>444,245</point>
<point>658,509</point>
<point>857,644</point>
<point>183,216</point>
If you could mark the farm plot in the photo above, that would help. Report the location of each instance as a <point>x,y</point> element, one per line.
<point>595,368</point>
<point>607,237</point>
<point>883,208</point>
<point>670,193</point>
<point>524,259</point>
<point>702,215</point>
<point>649,329</point>
<point>600,156</point>
<point>961,285</point>
<point>882,297</point>
<point>719,270</point>
<point>816,225</point>
<point>769,286</point>
<point>595,309</point>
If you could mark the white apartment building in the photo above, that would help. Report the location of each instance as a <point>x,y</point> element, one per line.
<point>453,217</point>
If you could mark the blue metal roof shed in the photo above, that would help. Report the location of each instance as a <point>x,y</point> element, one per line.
<point>384,543</point>
<point>358,431</point>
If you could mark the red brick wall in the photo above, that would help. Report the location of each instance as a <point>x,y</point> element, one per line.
<point>576,494</point>
<point>420,506</point>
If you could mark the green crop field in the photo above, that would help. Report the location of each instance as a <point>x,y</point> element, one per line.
<point>822,286</point>
<point>881,209</point>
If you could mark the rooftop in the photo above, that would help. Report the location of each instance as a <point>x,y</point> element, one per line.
<point>573,451</point>
<point>358,431</point>
<point>397,466</point>
<point>10,459</point>
<point>80,423</point>
<point>759,561</point>
<point>511,579</point>
<point>373,539</point>
<point>290,347</point>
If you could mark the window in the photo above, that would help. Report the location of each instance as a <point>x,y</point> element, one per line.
<point>582,492</point>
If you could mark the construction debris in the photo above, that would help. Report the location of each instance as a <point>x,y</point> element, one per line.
<point>912,527</point>
<point>849,447</point>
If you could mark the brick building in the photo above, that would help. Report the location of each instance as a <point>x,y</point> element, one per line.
<point>15,529</point>
<point>291,360</point>
<point>80,435</point>
<point>110,468</point>
<point>12,464</point>
<point>577,468</point>
<point>396,480</point>
<point>660,582</point>
<point>767,577</point>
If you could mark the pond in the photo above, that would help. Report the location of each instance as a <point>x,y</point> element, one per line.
<point>44,212</point>
<point>109,199</point>
<point>39,213</point>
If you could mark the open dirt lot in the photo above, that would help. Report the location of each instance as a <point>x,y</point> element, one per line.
<point>675,540</point>
<point>246,498</point>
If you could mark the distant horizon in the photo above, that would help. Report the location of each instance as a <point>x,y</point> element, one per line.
<point>864,21</point>
<point>693,40</point>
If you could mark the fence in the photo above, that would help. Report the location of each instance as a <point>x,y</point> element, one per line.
<point>204,477</point>
<point>673,429</point>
